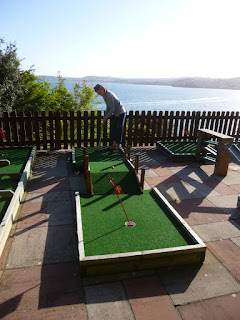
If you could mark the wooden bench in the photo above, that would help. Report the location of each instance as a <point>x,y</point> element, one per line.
<point>216,147</point>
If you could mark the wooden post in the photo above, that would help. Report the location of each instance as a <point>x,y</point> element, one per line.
<point>129,153</point>
<point>86,164</point>
<point>142,178</point>
<point>222,160</point>
<point>136,162</point>
<point>125,154</point>
<point>84,153</point>
<point>89,185</point>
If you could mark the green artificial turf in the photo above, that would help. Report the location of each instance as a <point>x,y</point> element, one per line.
<point>104,166</point>
<point>4,203</point>
<point>104,230</point>
<point>7,183</point>
<point>180,147</point>
<point>18,158</point>
<point>97,154</point>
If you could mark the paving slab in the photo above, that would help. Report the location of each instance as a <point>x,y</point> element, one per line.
<point>155,181</point>
<point>107,301</point>
<point>163,172</point>
<point>217,231</point>
<point>228,204</point>
<point>45,213</point>
<point>149,299</point>
<point>42,245</point>
<point>202,188</point>
<point>178,191</point>
<point>236,241</point>
<point>221,308</point>
<point>46,184</point>
<point>232,177</point>
<point>199,211</point>
<point>42,293</point>
<point>60,212</point>
<point>220,187</point>
<point>191,174</point>
<point>228,253</point>
<point>77,183</point>
<point>236,187</point>
<point>32,215</point>
<point>49,196</point>
<point>192,283</point>
<point>150,173</point>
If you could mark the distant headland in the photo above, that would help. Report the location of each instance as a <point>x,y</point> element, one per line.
<point>188,82</point>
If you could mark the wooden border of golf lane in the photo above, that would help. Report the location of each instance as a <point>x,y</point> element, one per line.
<point>8,219</point>
<point>139,260</point>
<point>188,156</point>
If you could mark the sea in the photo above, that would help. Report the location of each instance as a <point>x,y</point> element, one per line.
<point>140,97</point>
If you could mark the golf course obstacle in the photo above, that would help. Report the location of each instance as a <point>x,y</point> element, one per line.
<point>161,238</point>
<point>6,194</point>
<point>11,175</point>
<point>120,226</point>
<point>98,165</point>
<point>213,146</point>
<point>4,162</point>
<point>178,150</point>
<point>13,181</point>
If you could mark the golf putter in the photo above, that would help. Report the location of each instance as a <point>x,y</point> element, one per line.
<point>99,142</point>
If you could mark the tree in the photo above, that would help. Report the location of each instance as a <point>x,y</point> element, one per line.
<point>9,76</point>
<point>85,96</point>
<point>21,90</point>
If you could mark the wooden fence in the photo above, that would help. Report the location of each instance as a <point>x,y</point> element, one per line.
<point>57,130</point>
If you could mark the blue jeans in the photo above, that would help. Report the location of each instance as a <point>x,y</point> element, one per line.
<point>117,127</point>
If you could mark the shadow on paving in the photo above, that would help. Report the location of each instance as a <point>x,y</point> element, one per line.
<point>60,276</point>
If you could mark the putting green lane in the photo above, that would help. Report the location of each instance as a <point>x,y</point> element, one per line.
<point>180,147</point>
<point>17,157</point>
<point>104,230</point>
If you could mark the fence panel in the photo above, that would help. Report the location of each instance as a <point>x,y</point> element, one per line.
<point>56,130</point>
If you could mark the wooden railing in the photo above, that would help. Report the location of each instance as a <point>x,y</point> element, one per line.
<point>57,130</point>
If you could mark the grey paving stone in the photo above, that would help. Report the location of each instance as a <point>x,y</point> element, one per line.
<point>107,301</point>
<point>217,231</point>
<point>193,283</point>
<point>191,174</point>
<point>228,204</point>
<point>179,191</point>
<point>49,196</point>
<point>60,212</point>
<point>35,246</point>
<point>236,241</point>
<point>78,183</point>
<point>232,177</point>
<point>202,188</point>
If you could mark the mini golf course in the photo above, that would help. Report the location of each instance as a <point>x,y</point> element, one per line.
<point>178,150</point>
<point>105,165</point>
<point>107,244</point>
<point>15,168</point>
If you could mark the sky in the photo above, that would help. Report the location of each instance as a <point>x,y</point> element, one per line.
<point>127,38</point>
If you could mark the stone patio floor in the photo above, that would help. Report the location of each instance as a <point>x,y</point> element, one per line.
<point>39,267</point>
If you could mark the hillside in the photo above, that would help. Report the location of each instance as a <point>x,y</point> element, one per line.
<point>196,82</point>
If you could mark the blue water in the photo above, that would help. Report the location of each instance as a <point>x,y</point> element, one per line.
<point>138,97</point>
